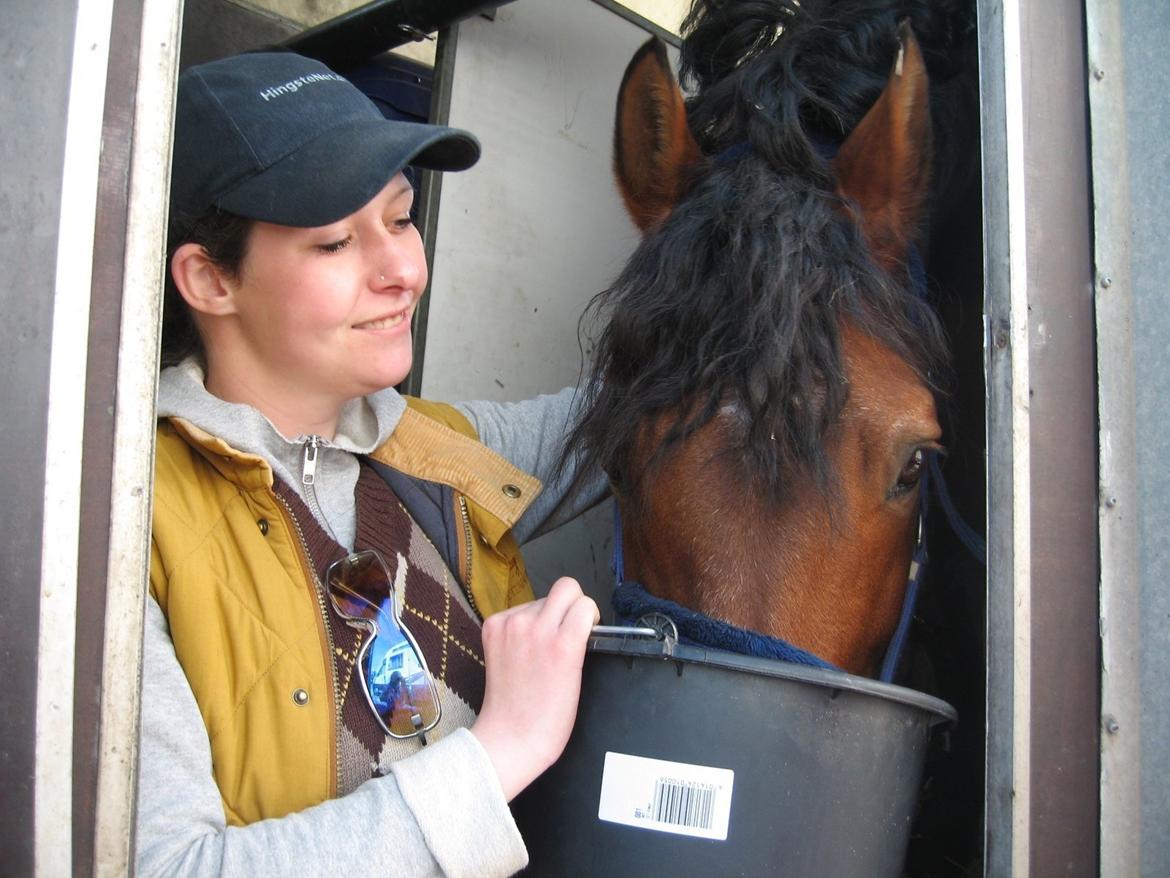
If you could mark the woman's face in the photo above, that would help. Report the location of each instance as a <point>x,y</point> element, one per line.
<point>323,314</point>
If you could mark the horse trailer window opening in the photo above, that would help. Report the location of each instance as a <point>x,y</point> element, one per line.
<point>1071,348</point>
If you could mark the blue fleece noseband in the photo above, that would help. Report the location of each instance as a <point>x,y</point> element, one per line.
<point>631,602</point>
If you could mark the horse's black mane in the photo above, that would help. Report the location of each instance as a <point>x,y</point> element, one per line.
<point>738,297</point>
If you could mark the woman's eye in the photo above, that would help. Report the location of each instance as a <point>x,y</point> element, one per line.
<point>911,472</point>
<point>401,224</point>
<point>334,246</point>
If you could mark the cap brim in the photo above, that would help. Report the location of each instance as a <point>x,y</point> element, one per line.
<point>334,175</point>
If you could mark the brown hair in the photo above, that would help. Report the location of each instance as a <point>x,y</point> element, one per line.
<point>224,236</point>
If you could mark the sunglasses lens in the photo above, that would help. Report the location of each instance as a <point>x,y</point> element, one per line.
<point>358,584</point>
<point>401,690</point>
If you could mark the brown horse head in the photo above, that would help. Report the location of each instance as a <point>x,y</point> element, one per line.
<point>775,484</point>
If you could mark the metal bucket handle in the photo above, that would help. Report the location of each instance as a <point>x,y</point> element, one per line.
<point>656,626</point>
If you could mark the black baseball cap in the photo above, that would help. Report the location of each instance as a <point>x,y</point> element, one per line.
<point>279,137</point>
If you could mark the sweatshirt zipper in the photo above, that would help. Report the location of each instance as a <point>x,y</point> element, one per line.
<point>309,479</point>
<point>319,593</point>
<point>467,556</point>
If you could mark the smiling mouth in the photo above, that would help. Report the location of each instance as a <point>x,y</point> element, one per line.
<point>384,322</point>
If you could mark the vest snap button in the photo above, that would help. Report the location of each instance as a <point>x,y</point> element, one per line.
<point>263,525</point>
<point>300,697</point>
<point>511,490</point>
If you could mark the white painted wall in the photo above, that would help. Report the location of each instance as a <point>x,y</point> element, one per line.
<point>528,236</point>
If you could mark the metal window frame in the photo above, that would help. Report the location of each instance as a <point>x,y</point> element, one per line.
<point>1041,812</point>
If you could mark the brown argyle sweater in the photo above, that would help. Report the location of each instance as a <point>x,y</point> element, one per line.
<point>433,607</point>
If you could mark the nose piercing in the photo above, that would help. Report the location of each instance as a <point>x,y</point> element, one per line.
<point>382,278</point>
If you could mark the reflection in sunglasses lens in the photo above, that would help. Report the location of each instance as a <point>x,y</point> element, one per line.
<point>399,686</point>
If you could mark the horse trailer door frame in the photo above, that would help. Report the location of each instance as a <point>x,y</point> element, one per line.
<point>1042,813</point>
<point>87,163</point>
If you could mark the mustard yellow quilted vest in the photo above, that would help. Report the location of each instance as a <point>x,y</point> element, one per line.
<point>229,570</point>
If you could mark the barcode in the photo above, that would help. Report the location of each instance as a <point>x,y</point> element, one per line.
<point>662,796</point>
<point>681,803</point>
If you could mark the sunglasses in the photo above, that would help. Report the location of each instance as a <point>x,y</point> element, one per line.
<point>394,675</point>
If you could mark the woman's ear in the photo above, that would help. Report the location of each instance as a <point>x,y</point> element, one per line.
<point>200,282</point>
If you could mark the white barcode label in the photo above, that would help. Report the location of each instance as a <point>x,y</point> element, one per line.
<point>666,796</point>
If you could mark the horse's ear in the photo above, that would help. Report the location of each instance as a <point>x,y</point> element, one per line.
<point>884,165</point>
<point>652,147</point>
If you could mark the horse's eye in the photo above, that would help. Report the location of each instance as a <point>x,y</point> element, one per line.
<point>910,473</point>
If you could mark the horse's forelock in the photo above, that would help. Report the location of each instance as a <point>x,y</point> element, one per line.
<point>739,299</point>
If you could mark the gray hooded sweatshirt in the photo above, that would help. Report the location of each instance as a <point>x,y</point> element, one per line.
<point>440,811</point>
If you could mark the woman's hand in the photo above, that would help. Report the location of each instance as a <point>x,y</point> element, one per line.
<point>534,654</point>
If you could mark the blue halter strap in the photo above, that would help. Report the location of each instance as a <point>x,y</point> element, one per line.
<point>914,581</point>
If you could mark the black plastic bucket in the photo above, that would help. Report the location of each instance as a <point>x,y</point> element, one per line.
<point>803,772</point>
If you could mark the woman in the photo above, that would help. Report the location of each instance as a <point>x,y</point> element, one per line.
<point>314,533</point>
